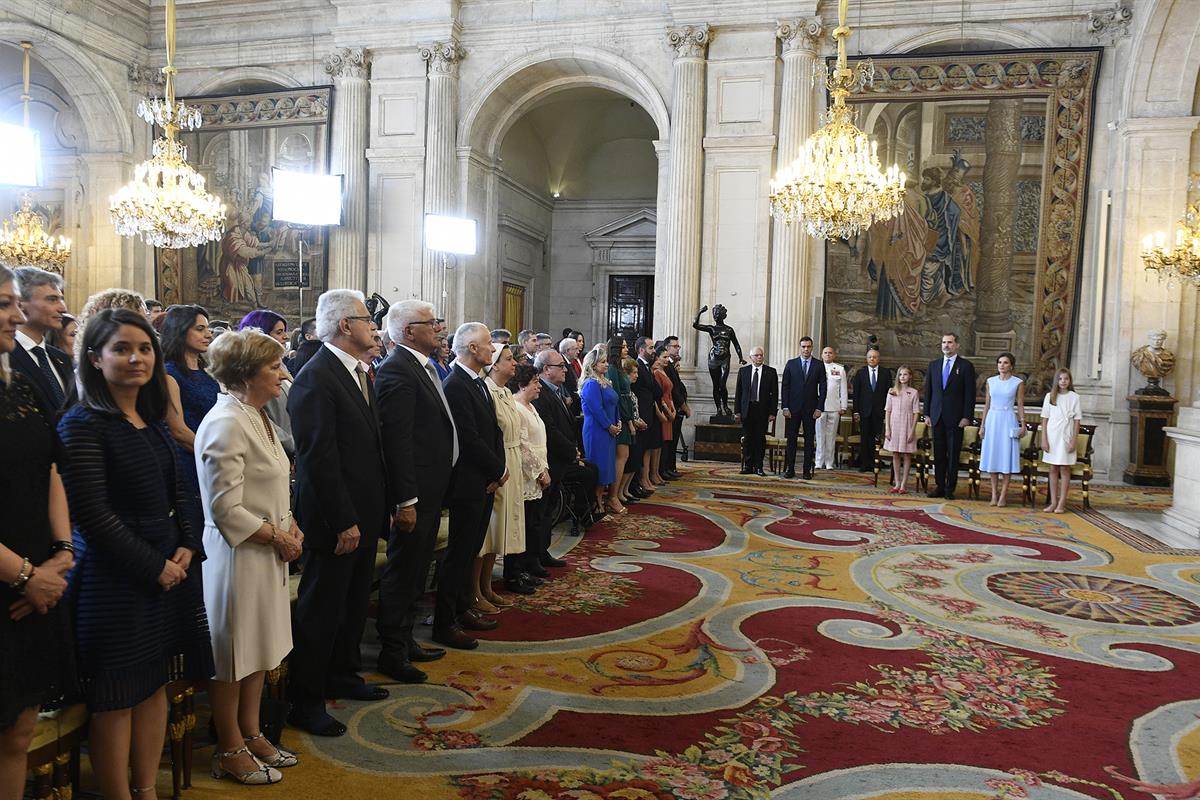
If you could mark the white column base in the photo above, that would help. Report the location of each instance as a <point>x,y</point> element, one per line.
<point>1184,513</point>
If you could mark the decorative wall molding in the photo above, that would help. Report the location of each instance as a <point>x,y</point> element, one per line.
<point>269,108</point>
<point>348,62</point>
<point>145,79</point>
<point>1110,24</point>
<point>442,57</point>
<point>800,34</point>
<point>689,41</point>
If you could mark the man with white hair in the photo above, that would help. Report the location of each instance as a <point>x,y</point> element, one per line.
<point>569,348</point>
<point>421,446</point>
<point>479,471</point>
<point>343,507</point>
<point>40,297</point>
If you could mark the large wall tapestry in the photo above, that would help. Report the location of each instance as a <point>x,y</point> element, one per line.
<point>256,264</point>
<point>996,146</point>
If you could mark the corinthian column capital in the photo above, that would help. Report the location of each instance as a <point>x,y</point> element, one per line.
<point>442,57</point>
<point>689,41</point>
<point>348,62</point>
<point>800,34</point>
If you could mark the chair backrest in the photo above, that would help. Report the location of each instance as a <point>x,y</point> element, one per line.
<point>970,436</point>
<point>1083,443</point>
<point>846,425</point>
<point>1029,438</point>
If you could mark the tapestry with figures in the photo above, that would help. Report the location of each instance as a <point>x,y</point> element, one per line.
<point>996,147</point>
<point>260,262</point>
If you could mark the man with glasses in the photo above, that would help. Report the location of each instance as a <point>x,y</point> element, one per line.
<point>343,506</point>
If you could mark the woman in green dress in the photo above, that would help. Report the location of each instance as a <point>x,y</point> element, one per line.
<point>618,351</point>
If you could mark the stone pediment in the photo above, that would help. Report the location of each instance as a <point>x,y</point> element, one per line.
<point>633,230</point>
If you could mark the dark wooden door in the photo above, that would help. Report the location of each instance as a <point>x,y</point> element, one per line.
<point>630,306</point>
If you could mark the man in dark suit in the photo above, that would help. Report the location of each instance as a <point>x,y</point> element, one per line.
<point>342,505</point>
<point>563,453</point>
<point>49,369</point>
<point>649,394</point>
<point>870,387</point>
<point>679,395</point>
<point>756,399</point>
<point>802,399</point>
<point>478,473</point>
<point>949,407</point>
<point>421,446</point>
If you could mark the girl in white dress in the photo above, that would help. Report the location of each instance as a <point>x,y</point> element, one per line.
<point>1061,415</point>
<point>836,400</point>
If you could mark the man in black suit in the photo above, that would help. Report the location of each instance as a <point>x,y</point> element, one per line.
<point>478,473</point>
<point>870,387</point>
<point>949,407</point>
<point>566,460</point>
<point>756,399</point>
<point>49,369</point>
<point>679,395</point>
<point>649,394</point>
<point>803,399</point>
<point>421,446</point>
<point>342,505</point>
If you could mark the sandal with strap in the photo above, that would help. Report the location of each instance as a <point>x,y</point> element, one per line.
<point>255,777</point>
<point>144,790</point>
<point>280,760</point>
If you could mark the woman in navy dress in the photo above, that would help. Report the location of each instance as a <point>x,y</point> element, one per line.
<point>140,617</point>
<point>1002,428</point>
<point>36,660</point>
<point>185,339</point>
<point>618,351</point>
<point>601,424</point>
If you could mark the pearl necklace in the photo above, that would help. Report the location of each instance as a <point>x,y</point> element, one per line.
<point>264,433</point>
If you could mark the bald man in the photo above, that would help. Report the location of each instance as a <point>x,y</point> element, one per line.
<point>756,401</point>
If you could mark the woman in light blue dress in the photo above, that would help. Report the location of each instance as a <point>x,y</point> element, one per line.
<point>1002,428</point>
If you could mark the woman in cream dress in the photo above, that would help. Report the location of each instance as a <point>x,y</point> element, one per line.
<point>506,529</point>
<point>250,537</point>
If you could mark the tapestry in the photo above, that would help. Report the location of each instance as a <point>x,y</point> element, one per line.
<point>257,263</point>
<point>996,147</point>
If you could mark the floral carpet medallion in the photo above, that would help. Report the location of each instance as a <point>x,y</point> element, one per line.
<point>741,638</point>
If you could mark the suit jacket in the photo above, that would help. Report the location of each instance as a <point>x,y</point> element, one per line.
<point>768,390</point>
<point>561,447</point>
<point>803,395</point>
<point>480,440</point>
<point>341,473</point>
<point>678,390</point>
<point>649,392</point>
<point>570,388</point>
<point>957,399</point>
<point>870,404</point>
<point>418,436</point>
<point>304,352</point>
<point>22,362</point>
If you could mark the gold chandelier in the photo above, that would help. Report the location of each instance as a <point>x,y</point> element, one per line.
<point>23,240</point>
<point>1180,262</point>
<point>166,203</point>
<point>836,187</point>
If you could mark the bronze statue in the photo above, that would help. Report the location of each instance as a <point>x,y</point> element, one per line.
<point>718,359</point>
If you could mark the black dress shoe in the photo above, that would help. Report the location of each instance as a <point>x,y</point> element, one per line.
<point>950,495</point>
<point>402,672</point>
<point>518,586</point>
<point>532,580</point>
<point>938,492</point>
<point>760,472</point>
<point>474,621</point>
<point>789,473</point>
<point>672,475</point>
<point>808,476</point>
<point>537,571</point>
<point>363,691</point>
<point>454,637</point>
<point>314,719</point>
<point>421,654</point>
<point>746,471</point>
<point>551,561</point>
<point>640,493</point>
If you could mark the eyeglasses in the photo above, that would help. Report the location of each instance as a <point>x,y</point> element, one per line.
<point>428,322</point>
<point>366,318</point>
<point>559,366</point>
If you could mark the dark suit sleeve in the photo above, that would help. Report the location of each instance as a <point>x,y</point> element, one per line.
<point>785,395</point>
<point>471,442</point>
<point>739,391</point>
<point>773,397</point>
<point>968,409</point>
<point>559,443</point>
<point>822,385</point>
<point>397,395</point>
<point>314,425</point>
<point>927,389</point>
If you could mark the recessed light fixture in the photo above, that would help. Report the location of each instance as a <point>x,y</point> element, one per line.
<point>556,195</point>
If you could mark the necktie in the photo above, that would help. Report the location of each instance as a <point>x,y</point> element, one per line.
<point>55,389</point>
<point>487,396</point>
<point>362,383</point>
<point>872,379</point>
<point>437,384</point>
<point>754,386</point>
<point>945,373</point>
<point>805,365</point>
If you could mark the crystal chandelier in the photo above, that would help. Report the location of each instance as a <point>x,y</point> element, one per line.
<point>23,240</point>
<point>836,187</point>
<point>1180,262</point>
<point>166,203</point>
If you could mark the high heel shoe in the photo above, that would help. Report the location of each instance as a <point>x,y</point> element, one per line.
<point>255,777</point>
<point>612,509</point>
<point>281,759</point>
<point>497,601</point>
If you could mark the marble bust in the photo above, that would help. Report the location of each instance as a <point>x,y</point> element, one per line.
<point>1154,361</point>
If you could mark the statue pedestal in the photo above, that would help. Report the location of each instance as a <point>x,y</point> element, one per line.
<point>1149,417</point>
<point>1184,513</point>
<point>718,442</point>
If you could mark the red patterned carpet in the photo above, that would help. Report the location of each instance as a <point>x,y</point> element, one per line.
<point>740,638</point>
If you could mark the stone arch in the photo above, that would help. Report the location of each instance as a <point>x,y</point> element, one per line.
<point>954,33</point>
<point>106,119</point>
<point>1166,61</point>
<point>234,75</point>
<point>502,100</point>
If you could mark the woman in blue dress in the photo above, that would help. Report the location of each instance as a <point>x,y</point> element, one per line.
<point>601,424</point>
<point>1002,428</point>
<point>185,338</point>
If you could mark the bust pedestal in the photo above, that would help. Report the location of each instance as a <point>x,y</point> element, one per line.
<point>718,442</point>
<point>1149,417</point>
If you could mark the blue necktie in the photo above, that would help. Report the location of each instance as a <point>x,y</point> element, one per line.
<point>805,363</point>
<point>945,373</point>
<point>43,360</point>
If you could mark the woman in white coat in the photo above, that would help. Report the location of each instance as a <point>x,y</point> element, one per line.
<point>836,400</point>
<point>250,537</point>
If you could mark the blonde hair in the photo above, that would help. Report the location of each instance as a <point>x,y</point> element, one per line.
<point>235,356</point>
<point>109,298</point>
<point>589,365</point>
<point>1054,388</point>
<point>895,390</point>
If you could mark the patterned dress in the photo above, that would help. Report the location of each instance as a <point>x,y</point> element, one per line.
<point>901,411</point>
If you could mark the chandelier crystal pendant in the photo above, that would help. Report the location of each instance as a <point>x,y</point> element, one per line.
<point>836,187</point>
<point>1181,262</point>
<point>23,240</point>
<point>166,203</point>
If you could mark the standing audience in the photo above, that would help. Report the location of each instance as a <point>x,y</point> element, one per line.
<point>64,339</point>
<point>1060,431</point>
<point>755,400</point>
<point>666,412</point>
<point>47,368</point>
<point>601,426</point>
<point>618,354</point>
<point>536,470</point>
<point>185,339</point>
<point>275,325</point>
<point>670,465</point>
<point>901,412</point>
<point>568,471</point>
<point>836,401</point>
<point>1002,428</point>
<point>649,395</point>
<point>802,399</point>
<point>949,407</point>
<point>872,385</point>
<point>506,526</point>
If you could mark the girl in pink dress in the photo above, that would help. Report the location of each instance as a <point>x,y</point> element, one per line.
<point>900,428</point>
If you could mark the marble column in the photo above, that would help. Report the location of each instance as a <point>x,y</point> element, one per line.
<point>441,157</point>
<point>349,67</point>
<point>994,332</point>
<point>791,250</point>
<point>680,272</point>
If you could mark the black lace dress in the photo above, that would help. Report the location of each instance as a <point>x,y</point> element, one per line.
<point>36,658</point>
